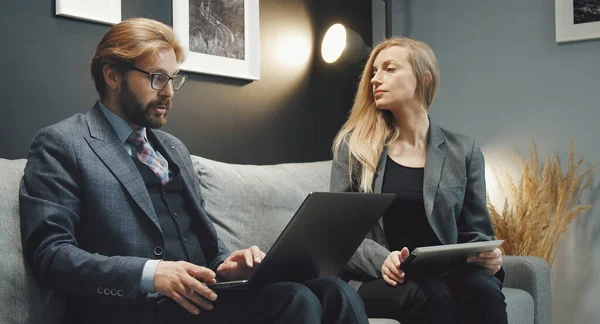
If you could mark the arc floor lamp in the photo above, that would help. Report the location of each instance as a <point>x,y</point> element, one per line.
<point>341,43</point>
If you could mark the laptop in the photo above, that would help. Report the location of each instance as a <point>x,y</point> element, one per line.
<point>319,240</point>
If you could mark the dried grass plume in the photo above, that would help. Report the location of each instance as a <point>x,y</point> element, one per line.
<point>543,202</point>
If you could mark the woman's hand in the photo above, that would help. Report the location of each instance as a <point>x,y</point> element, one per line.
<point>491,261</point>
<point>391,267</point>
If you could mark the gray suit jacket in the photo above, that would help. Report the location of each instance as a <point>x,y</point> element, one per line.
<point>87,222</point>
<point>453,191</point>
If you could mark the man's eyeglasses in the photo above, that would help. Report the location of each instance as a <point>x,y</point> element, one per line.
<point>159,81</point>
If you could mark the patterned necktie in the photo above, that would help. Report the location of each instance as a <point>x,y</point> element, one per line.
<point>148,156</point>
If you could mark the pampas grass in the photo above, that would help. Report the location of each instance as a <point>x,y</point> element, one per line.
<point>543,202</point>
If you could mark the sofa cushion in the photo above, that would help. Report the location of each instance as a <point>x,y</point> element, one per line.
<point>519,306</point>
<point>22,299</point>
<point>249,204</point>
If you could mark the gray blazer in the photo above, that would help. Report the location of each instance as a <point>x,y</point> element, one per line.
<point>87,222</point>
<point>453,191</point>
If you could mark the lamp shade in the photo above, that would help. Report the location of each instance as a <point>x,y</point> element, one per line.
<point>341,43</point>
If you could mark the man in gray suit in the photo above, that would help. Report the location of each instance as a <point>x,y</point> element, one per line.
<point>112,215</point>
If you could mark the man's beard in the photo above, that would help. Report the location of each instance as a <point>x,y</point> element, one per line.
<point>135,111</point>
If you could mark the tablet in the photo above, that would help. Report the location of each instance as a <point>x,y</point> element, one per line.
<point>443,257</point>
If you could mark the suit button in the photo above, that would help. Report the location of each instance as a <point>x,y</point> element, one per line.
<point>120,293</point>
<point>175,214</point>
<point>164,192</point>
<point>113,292</point>
<point>99,290</point>
<point>158,251</point>
<point>184,240</point>
<point>107,291</point>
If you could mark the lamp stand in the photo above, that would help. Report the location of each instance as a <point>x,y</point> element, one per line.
<point>388,18</point>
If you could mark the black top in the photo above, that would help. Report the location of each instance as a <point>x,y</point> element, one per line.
<point>405,223</point>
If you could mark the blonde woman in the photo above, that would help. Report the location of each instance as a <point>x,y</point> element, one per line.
<point>388,144</point>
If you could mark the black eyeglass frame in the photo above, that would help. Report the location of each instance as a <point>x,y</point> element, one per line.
<point>153,77</point>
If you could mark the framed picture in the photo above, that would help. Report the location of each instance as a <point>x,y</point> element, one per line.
<point>101,11</point>
<point>221,36</point>
<point>577,20</point>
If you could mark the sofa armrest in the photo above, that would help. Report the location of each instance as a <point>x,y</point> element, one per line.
<point>531,274</point>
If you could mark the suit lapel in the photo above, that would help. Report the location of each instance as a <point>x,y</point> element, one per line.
<point>106,144</point>
<point>170,152</point>
<point>434,162</point>
<point>378,181</point>
<point>168,149</point>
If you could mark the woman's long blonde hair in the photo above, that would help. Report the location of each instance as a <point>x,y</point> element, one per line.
<point>368,130</point>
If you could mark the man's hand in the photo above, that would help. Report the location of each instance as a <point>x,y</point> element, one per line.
<point>182,282</point>
<point>391,267</point>
<point>241,263</point>
<point>491,261</point>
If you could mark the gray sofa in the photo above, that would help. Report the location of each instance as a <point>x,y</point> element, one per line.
<point>249,205</point>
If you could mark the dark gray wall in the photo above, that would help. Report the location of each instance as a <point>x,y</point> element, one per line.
<point>45,60</point>
<point>505,81</point>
